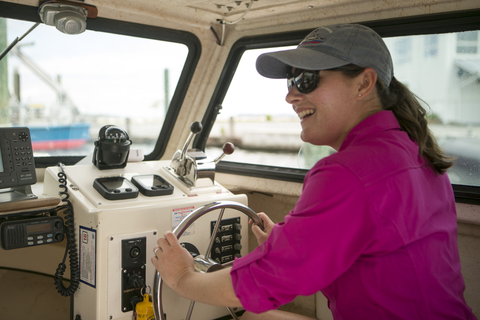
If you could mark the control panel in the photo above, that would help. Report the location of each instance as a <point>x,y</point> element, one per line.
<point>134,258</point>
<point>227,240</point>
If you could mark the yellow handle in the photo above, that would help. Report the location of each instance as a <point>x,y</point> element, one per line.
<point>144,309</point>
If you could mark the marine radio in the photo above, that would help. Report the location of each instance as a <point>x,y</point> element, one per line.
<point>20,229</point>
<point>31,232</point>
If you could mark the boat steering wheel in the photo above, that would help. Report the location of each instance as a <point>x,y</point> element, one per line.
<point>202,263</point>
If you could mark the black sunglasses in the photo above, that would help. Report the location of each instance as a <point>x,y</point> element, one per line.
<point>307,80</point>
<point>304,80</point>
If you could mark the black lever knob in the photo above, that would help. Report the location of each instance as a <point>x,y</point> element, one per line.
<point>196,127</point>
<point>228,148</point>
<point>136,281</point>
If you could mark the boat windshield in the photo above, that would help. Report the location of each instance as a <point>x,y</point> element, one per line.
<point>66,87</point>
<point>267,131</point>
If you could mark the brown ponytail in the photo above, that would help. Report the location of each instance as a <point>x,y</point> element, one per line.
<point>411,116</point>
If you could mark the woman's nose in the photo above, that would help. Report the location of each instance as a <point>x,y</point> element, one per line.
<point>293,95</point>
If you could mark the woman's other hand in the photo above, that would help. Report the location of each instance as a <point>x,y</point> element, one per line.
<point>175,265</point>
<point>172,261</point>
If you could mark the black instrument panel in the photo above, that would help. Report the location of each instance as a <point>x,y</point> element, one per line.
<point>17,165</point>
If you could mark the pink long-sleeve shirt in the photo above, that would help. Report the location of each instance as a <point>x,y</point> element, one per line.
<point>375,230</point>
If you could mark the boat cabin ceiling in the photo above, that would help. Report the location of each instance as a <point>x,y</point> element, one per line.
<point>265,16</point>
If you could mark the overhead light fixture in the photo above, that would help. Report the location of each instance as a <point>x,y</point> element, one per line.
<point>67,18</point>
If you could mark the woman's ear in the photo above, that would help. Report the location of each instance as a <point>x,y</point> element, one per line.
<point>367,80</point>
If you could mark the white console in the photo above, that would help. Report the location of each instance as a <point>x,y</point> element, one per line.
<point>115,238</point>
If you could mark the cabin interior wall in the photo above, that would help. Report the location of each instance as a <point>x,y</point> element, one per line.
<point>27,295</point>
<point>277,206</point>
<point>469,250</point>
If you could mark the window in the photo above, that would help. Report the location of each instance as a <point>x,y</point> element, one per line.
<point>256,117</point>
<point>431,45</point>
<point>403,50</point>
<point>467,42</point>
<point>452,93</point>
<point>66,87</point>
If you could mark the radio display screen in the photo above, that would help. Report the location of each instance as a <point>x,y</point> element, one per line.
<point>37,228</point>
<point>116,184</point>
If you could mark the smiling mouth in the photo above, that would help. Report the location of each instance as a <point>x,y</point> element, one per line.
<point>306,113</point>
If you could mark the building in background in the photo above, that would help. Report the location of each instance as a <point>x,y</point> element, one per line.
<point>443,70</point>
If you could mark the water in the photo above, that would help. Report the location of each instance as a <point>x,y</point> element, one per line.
<point>279,159</point>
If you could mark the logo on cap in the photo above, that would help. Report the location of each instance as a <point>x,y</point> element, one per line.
<point>314,38</point>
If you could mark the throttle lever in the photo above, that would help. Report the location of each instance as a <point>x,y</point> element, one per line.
<point>186,167</point>
<point>182,164</point>
<point>228,148</point>
<point>195,128</point>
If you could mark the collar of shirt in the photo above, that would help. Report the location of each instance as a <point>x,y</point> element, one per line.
<point>378,122</point>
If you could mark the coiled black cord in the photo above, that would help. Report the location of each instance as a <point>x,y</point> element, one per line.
<point>71,248</point>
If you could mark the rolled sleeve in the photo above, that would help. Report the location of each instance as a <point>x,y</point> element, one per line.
<point>248,289</point>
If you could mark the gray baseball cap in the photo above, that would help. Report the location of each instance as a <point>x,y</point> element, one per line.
<point>331,47</point>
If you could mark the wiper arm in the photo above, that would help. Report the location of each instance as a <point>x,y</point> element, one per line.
<point>17,40</point>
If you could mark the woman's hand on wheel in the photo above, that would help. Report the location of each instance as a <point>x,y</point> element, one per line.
<point>262,235</point>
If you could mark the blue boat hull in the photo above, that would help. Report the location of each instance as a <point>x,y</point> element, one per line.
<point>71,136</point>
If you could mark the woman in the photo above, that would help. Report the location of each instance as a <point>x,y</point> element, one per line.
<point>375,226</point>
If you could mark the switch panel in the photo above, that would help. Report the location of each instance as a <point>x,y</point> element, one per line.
<point>134,253</point>
<point>227,243</point>
<point>120,271</point>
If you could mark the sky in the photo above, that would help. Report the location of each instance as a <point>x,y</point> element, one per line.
<point>100,72</point>
<point>259,95</point>
<point>105,73</point>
